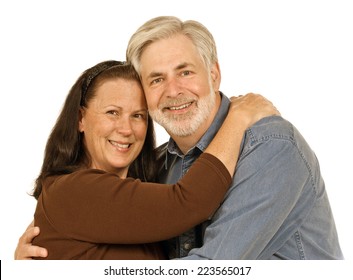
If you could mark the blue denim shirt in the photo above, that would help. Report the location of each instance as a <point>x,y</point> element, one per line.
<point>277,206</point>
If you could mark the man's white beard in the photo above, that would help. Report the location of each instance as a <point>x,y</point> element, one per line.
<point>185,124</point>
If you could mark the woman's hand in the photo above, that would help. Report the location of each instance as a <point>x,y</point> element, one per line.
<point>252,107</point>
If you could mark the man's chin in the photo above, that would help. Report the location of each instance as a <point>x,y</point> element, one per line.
<point>180,129</point>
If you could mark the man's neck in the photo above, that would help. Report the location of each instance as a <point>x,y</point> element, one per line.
<point>186,143</point>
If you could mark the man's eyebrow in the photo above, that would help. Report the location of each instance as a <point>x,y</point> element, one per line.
<point>154,74</point>
<point>178,67</point>
<point>183,65</point>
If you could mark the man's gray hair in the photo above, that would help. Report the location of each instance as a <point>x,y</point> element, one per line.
<point>165,27</point>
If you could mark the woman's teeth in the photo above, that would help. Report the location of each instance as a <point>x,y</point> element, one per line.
<point>123,146</point>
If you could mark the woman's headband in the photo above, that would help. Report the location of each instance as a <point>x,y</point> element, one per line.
<point>93,73</point>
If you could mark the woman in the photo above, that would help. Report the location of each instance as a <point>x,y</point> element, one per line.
<point>90,206</point>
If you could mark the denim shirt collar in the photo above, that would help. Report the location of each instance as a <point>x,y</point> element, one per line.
<point>208,136</point>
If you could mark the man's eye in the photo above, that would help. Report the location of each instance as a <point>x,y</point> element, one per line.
<point>156,81</point>
<point>185,73</point>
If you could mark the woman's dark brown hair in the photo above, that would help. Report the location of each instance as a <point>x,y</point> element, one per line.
<point>65,152</point>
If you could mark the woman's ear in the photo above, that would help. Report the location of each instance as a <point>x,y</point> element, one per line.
<point>81,120</point>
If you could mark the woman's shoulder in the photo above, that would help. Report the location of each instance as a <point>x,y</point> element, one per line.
<point>80,178</point>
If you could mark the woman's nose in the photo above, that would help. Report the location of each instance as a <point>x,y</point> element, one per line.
<point>124,126</point>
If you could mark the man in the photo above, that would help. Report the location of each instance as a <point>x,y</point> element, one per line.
<point>277,206</point>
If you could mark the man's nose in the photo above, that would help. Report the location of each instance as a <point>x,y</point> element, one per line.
<point>173,88</point>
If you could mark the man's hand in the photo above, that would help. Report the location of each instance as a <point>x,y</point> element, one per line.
<point>25,250</point>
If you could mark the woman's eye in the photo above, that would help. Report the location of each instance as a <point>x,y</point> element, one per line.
<point>113,112</point>
<point>140,116</point>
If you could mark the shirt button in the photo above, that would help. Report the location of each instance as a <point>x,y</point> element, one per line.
<point>187,246</point>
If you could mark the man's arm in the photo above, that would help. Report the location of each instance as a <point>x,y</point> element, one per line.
<point>25,250</point>
<point>270,179</point>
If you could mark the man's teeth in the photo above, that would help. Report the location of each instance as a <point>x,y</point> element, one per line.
<point>180,107</point>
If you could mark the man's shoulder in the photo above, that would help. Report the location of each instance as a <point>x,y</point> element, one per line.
<point>274,139</point>
<point>274,127</point>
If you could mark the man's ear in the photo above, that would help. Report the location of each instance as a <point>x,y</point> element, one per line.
<point>216,76</point>
<point>81,120</point>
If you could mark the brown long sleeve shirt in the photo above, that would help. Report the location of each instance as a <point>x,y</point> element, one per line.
<point>92,214</point>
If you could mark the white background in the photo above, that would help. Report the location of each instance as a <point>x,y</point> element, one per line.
<point>296,53</point>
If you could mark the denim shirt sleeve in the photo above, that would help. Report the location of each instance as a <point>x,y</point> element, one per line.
<point>274,189</point>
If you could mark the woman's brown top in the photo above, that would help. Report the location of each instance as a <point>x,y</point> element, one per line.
<point>92,214</point>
